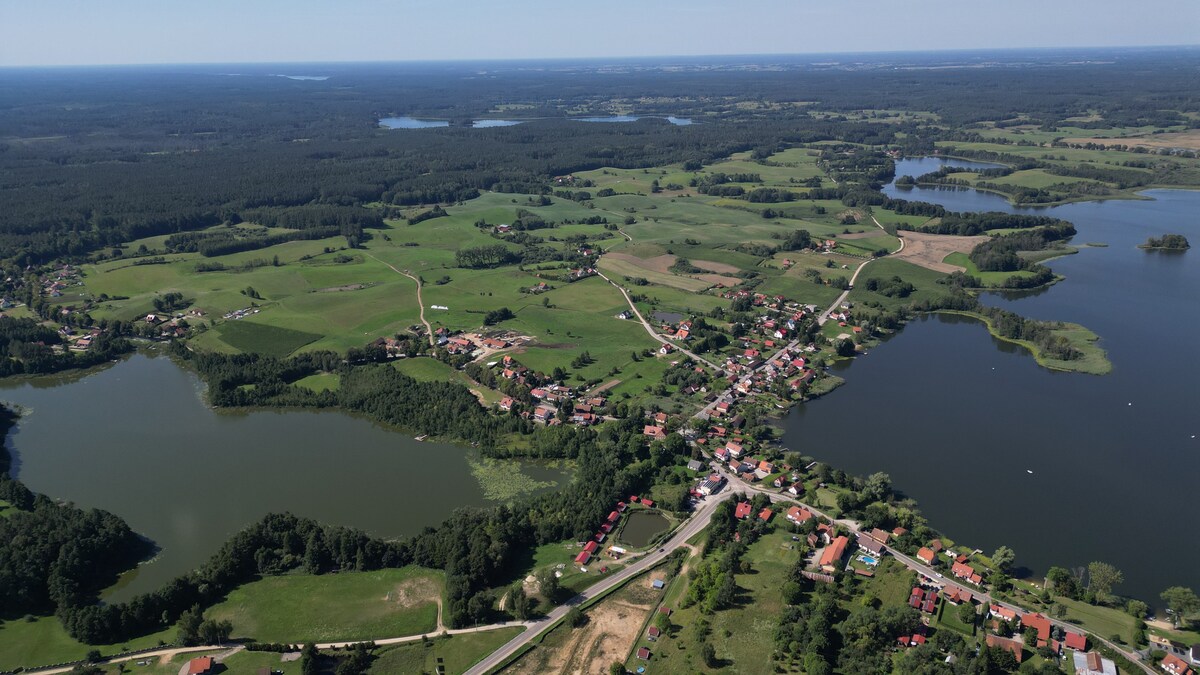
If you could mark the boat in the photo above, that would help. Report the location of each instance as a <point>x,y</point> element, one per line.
<point>422,437</point>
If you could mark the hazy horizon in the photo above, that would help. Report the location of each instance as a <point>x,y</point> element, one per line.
<point>141,32</point>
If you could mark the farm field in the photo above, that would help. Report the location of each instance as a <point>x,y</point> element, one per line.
<point>44,641</point>
<point>455,653</point>
<point>324,608</point>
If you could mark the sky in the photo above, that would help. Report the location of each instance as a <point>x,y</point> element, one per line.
<point>101,32</point>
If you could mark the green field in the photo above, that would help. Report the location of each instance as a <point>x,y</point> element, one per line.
<point>455,653</point>
<point>324,608</point>
<point>44,641</point>
<point>989,279</point>
<point>320,382</point>
<point>258,338</point>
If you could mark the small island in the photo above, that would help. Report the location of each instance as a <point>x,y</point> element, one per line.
<point>1168,242</point>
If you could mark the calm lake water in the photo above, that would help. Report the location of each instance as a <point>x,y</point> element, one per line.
<point>136,439</point>
<point>958,418</point>
<point>677,121</point>
<point>642,526</point>
<point>411,123</point>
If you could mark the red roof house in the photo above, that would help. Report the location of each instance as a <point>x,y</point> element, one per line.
<point>1075,641</point>
<point>834,553</point>
<point>765,514</point>
<point>200,665</point>
<point>1039,623</point>
<point>1015,646</point>
<point>926,556</point>
<point>743,510</point>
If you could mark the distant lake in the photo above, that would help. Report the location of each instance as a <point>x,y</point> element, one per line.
<point>959,419</point>
<point>137,439</point>
<point>411,123</point>
<point>314,78</point>
<point>677,121</point>
<point>919,166</point>
<point>488,124</point>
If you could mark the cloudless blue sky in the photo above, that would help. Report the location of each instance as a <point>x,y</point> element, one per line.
<point>63,32</point>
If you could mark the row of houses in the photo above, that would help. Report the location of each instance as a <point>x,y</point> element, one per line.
<point>592,547</point>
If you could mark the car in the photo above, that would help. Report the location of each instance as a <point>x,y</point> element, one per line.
<point>941,576</point>
<point>661,550</point>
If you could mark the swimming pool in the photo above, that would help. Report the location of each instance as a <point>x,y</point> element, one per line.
<point>868,559</point>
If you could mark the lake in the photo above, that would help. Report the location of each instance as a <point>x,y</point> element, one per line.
<point>411,123</point>
<point>137,439</point>
<point>958,418</point>
<point>677,121</point>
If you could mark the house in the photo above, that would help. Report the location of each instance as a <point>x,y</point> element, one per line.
<point>721,454</point>
<point>621,507</point>
<point>591,547</point>
<point>695,465</point>
<point>833,554</point>
<point>1093,664</point>
<point>1039,623</point>
<point>798,515</point>
<point>648,503</point>
<point>1075,641</point>
<point>879,535</point>
<point>743,510</point>
<point>613,517</point>
<point>582,558</point>
<point>965,571</point>
<point>926,556</point>
<point>734,449</point>
<point>652,633</point>
<point>654,432</point>
<point>765,515</point>
<point>1015,646</point>
<point>200,665</point>
<point>643,653</point>
<point>506,403</point>
<point>868,544</point>
<point>958,596</point>
<point>543,414</point>
<point>1175,665</point>
<point>711,484</point>
<point>1002,613</point>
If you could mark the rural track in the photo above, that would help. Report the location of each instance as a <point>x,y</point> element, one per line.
<point>650,329</point>
<point>846,293</point>
<point>420,303</point>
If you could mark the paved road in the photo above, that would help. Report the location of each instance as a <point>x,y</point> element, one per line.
<point>420,303</point>
<point>727,395</point>
<point>698,521</point>
<point>650,329</point>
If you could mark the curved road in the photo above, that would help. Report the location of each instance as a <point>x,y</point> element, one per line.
<point>649,328</point>
<point>417,281</point>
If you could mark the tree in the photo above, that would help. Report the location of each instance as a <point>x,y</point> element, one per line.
<point>189,626</point>
<point>709,654</point>
<point>1063,582</point>
<point>1003,559</point>
<point>1183,604</point>
<point>878,487</point>
<point>617,668</point>
<point>310,660</point>
<point>548,583</point>
<point>519,603</point>
<point>966,614</point>
<point>1101,579</point>
<point>575,618</point>
<point>1136,608</point>
<point>215,632</point>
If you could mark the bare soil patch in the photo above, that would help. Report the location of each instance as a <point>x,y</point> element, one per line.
<point>928,250</point>
<point>659,263</point>
<point>1180,139</point>
<point>613,627</point>
<point>718,279</point>
<point>719,268</point>
<point>414,592</point>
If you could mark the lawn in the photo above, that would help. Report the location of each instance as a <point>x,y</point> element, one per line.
<point>987,278</point>
<point>259,338</point>
<point>44,641</point>
<point>455,653</point>
<point>1103,621</point>
<point>320,382</point>
<point>743,635</point>
<point>346,606</point>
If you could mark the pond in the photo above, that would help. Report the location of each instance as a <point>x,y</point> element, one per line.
<point>959,420</point>
<point>641,526</point>
<point>137,439</point>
